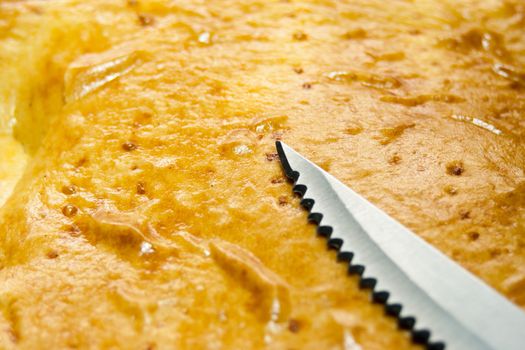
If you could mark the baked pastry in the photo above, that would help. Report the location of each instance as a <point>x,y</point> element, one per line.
<point>150,210</point>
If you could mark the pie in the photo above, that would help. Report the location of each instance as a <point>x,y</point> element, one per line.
<point>142,203</point>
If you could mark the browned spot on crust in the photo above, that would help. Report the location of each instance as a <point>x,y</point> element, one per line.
<point>300,36</point>
<point>81,162</point>
<point>278,180</point>
<point>464,214</point>
<point>141,187</point>
<point>146,20</point>
<point>394,160</point>
<point>451,190</point>
<point>473,236</point>
<point>52,254</point>
<point>271,156</point>
<point>294,325</point>
<point>455,168</point>
<point>74,230</point>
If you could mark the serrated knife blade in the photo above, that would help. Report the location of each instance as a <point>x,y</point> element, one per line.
<point>438,301</point>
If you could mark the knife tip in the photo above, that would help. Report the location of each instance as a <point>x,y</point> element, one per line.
<point>288,171</point>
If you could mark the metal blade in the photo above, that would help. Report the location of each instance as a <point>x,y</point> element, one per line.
<point>442,304</point>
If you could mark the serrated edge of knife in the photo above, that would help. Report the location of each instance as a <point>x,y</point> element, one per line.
<point>406,323</point>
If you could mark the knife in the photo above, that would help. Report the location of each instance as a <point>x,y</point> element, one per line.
<point>439,302</point>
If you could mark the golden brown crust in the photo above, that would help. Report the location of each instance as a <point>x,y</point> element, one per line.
<point>153,213</point>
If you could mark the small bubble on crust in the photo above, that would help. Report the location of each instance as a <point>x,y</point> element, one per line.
<point>69,210</point>
<point>69,189</point>
<point>129,146</point>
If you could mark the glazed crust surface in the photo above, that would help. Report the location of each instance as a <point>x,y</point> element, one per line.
<point>142,204</point>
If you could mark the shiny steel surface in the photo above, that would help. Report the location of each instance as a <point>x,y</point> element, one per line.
<point>452,308</point>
